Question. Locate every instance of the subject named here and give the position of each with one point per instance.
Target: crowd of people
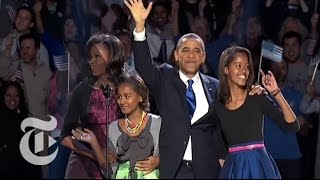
(148, 89)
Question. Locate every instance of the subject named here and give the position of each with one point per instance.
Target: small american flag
(314, 60)
(271, 51)
(18, 75)
(311, 45)
(61, 62)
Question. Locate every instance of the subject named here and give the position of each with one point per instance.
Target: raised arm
(139, 13)
(175, 17)
(269, 82)
(149, 71)
(37, 9)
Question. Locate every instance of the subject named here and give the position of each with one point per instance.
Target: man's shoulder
(210, 79)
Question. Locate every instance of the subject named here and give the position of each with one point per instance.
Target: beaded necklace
(128, 123)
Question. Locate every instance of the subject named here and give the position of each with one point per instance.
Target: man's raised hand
(139, 12)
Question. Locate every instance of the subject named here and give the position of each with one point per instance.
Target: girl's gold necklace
(136, 128)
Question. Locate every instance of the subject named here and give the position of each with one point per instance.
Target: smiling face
(23, 21)
(160, 16)
(99, 59)
(238, 70)
(235, 71)
(291, 49)
(12, 98)
(190, 55)
(128, 99)
(28, 51)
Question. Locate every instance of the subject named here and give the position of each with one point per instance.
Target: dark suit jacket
(169, 92)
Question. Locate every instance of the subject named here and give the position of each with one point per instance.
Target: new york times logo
(25, 150)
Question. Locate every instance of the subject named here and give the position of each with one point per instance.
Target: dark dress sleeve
(71, 120)
(272, 110)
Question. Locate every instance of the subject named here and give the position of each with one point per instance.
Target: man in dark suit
(188, 147)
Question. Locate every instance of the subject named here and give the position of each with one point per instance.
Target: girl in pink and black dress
(241, 117)
(90, 108)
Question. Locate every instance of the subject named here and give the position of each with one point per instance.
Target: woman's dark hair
(23, 107)
(226, 58)
(138, 86)
(116, 52)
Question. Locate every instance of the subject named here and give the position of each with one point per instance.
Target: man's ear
(176, 55)
(204, 57)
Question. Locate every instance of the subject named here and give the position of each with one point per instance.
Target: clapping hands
(84, 135)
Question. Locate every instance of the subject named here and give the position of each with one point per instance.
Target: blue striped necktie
(191, 98)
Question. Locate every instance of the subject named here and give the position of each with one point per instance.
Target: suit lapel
(181, 88)
(209, 91)
(208, 88)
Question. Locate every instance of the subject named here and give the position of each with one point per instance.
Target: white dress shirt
(202, 106)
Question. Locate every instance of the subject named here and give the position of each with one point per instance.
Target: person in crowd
(286, 155)
(7, 8)
(133, 139)
(160, 32)
(310, 106)
(33, 76)
(24, 23)
(52, 13)
(93, 104)
(125, 37)
(13, 110)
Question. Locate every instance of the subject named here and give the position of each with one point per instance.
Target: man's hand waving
(139, 12)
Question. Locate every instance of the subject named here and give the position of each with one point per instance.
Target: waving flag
(271, 51)
(314, 62)
(61, 62)
(18, 75)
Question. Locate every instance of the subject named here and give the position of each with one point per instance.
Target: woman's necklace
(136, 128)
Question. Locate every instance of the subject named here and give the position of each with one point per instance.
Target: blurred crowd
(42, 50)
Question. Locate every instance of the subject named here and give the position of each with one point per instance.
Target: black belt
(187, 163)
